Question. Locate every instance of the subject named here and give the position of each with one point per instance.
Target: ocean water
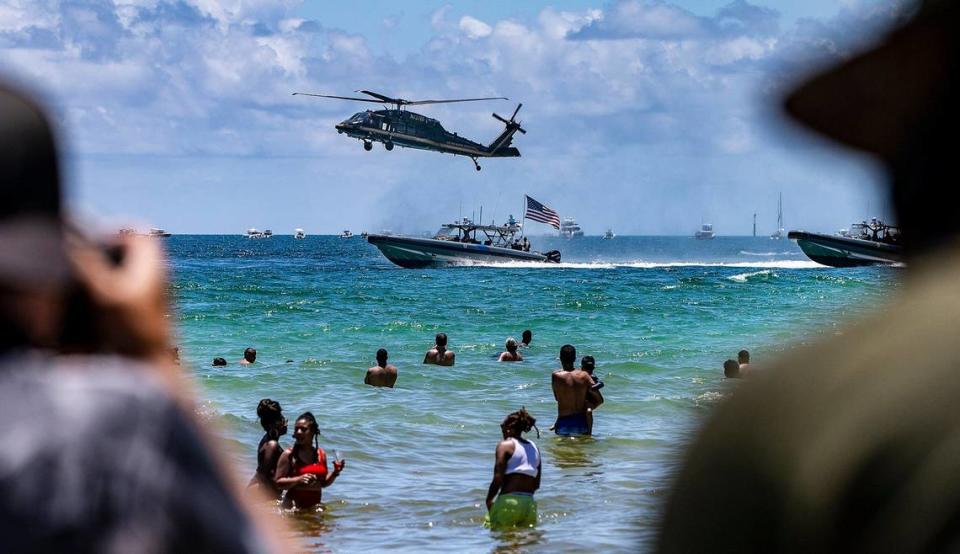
(660, 314)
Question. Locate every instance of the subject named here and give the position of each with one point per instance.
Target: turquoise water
(660, 314)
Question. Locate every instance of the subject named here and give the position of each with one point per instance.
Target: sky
(647, 117)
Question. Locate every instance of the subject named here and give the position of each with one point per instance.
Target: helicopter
(405, 128)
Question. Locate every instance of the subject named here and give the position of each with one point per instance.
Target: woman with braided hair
(302, 468)
(269, 450)
(516, 475)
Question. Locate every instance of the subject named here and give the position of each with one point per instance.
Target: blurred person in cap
(860, 451)
(100, 454)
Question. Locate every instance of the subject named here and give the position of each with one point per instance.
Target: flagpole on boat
(523, 222)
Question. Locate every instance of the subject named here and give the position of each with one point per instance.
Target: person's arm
(366, 378)
(502, 354)
(453, 358)
(426, 357)
(282, 477)
(555, 381)
(503, 453)
(332, 476)
(536, 483)
(594, 398)
(519, 356)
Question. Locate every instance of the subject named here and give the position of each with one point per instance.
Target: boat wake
(780, 264)
(764, 254)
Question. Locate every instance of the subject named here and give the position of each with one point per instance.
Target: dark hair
(743, 355)
(520, 422)
(250, 351)
(308, 417)
(587, 363)
(441, 339)
(382, 353)
(269, 412)
(526, 335)
(568, 353)
(731, 369)
(219, 362)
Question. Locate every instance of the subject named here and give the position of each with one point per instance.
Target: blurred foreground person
(98, 455)
(860, 451)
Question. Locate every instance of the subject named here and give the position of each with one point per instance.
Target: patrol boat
(867, 243)
(461, 243)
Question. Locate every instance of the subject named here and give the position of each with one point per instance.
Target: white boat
(267, 233)
(780, 233)
(609, 234)
(705, 232)
(299, 234)
(253, 233)
(570, 229)
(346, 234)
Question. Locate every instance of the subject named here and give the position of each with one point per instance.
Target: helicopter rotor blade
(502, 120)
(422, 102)
(514, 116)
(386, 99)
(337, 97)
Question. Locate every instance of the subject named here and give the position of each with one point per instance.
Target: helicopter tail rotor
(511, 123)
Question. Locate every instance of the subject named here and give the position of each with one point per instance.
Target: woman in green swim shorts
(516, 475)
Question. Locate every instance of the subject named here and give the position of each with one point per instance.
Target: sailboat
(780, 234)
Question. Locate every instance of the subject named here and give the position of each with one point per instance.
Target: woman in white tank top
(516, 475)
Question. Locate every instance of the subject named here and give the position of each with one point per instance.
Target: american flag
(538, 212)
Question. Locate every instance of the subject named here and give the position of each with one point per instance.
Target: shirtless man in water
(382, 374)
(572, 390)
(439, 355)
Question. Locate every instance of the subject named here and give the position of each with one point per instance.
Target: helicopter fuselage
(412, 130)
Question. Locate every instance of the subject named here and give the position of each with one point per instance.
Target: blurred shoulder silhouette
(99, 453)
(858, 451)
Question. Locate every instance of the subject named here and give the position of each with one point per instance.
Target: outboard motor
(553, 256)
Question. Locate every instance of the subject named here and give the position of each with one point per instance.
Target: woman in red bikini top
(302, 469)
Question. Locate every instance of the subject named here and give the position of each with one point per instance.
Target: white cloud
(474, 28)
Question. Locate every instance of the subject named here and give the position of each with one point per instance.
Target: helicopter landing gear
(475, 164)
(388, 145)
(367, 145)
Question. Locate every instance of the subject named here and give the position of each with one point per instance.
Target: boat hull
(416, 253)
(837, 251)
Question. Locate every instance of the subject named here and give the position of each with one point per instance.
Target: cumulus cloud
(474, 28)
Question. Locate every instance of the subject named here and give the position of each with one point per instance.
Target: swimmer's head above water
(306, 430)
(527, 337)
(511, 345)
(441, 340)
(731, 369)
(382, 357)
(518, 423)
(250, 354)
(271, 417)
(568, 356)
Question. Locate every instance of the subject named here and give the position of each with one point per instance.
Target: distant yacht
(364, 235)
(267, 233)
(705, 232)
(609, 234)
(255, 234)
(346, 234)
(569, 228)
(155, 232)
(780, 234)
(299, 234)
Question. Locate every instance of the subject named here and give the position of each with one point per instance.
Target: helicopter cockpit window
(358, 118)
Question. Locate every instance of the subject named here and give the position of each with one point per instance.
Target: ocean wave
(779, 264)
(744, 277)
